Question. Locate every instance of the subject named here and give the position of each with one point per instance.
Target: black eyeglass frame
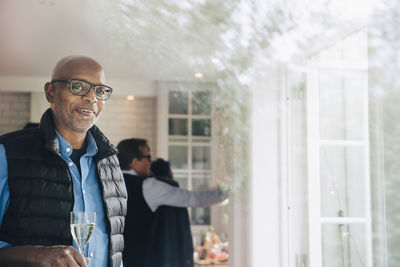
(85, 93)
(143, 157)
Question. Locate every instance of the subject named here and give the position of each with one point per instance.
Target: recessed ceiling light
(130, 97)
(198, 75)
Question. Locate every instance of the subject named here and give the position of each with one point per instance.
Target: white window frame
(164, 140)
(314, 143)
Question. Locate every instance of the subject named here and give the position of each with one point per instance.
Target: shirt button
(91, 254)
(84, 192)
(68, 149)
(70, 164)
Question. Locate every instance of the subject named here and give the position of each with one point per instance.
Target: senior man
(66, 164)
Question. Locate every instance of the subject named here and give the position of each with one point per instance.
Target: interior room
(292, 104)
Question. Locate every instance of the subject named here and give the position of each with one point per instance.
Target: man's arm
(157, 193)
(4, 191)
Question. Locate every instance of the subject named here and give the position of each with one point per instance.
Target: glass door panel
(342, 181)
(340, 104)
(343, 245)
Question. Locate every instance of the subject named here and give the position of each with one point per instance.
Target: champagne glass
(82, 228)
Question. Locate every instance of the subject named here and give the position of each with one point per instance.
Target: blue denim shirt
(86, 192)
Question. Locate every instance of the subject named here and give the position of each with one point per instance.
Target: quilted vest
(41, 189)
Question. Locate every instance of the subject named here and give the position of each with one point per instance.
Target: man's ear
(49, 91)
(133, 163)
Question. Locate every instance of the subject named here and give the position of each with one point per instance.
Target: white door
(338, 155)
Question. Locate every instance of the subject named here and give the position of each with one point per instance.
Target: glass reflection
(201, 103)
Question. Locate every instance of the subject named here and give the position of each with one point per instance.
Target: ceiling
(164, 40)
(34, 34)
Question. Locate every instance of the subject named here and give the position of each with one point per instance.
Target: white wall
(122, 119)
(14, 111)
(266, 225)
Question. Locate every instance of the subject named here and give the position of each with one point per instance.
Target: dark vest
(41, 189)
(159, 239)
(139, 220)
(171, 237)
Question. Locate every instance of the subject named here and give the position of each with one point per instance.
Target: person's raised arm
(157, 193)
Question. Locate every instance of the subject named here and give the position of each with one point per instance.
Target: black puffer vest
(41, 189)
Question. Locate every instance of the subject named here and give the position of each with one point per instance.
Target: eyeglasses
(82, 87)
(143, 157)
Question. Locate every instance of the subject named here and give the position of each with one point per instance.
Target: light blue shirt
(86, 192)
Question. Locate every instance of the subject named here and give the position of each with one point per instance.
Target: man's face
(73, 112)
(142, 165)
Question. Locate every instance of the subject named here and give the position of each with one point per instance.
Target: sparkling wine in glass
(82, 228)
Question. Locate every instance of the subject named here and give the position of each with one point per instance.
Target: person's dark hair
(161, 168)
(129, 149)
(31, 125)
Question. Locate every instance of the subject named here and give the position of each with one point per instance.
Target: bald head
(74, 65)
(74, 113)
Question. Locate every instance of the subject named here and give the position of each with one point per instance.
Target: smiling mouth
(86, 112)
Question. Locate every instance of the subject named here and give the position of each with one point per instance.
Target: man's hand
(42, 256)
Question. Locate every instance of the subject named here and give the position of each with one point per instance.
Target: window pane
(182, 179)
(342, 181)
(343, 245)
(341, 104)
(201, 158)
(178, 102)
(201, 127)
(201, 215)
(201, 102)
(177, 126)
(178, 157)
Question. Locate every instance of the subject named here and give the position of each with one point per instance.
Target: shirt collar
(66, 149)
(131, 172)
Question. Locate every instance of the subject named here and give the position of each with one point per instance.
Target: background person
(145, 196)
(161, 170)
(171, 237)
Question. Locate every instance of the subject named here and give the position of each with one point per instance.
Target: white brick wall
(122, 119)
(14, 111)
